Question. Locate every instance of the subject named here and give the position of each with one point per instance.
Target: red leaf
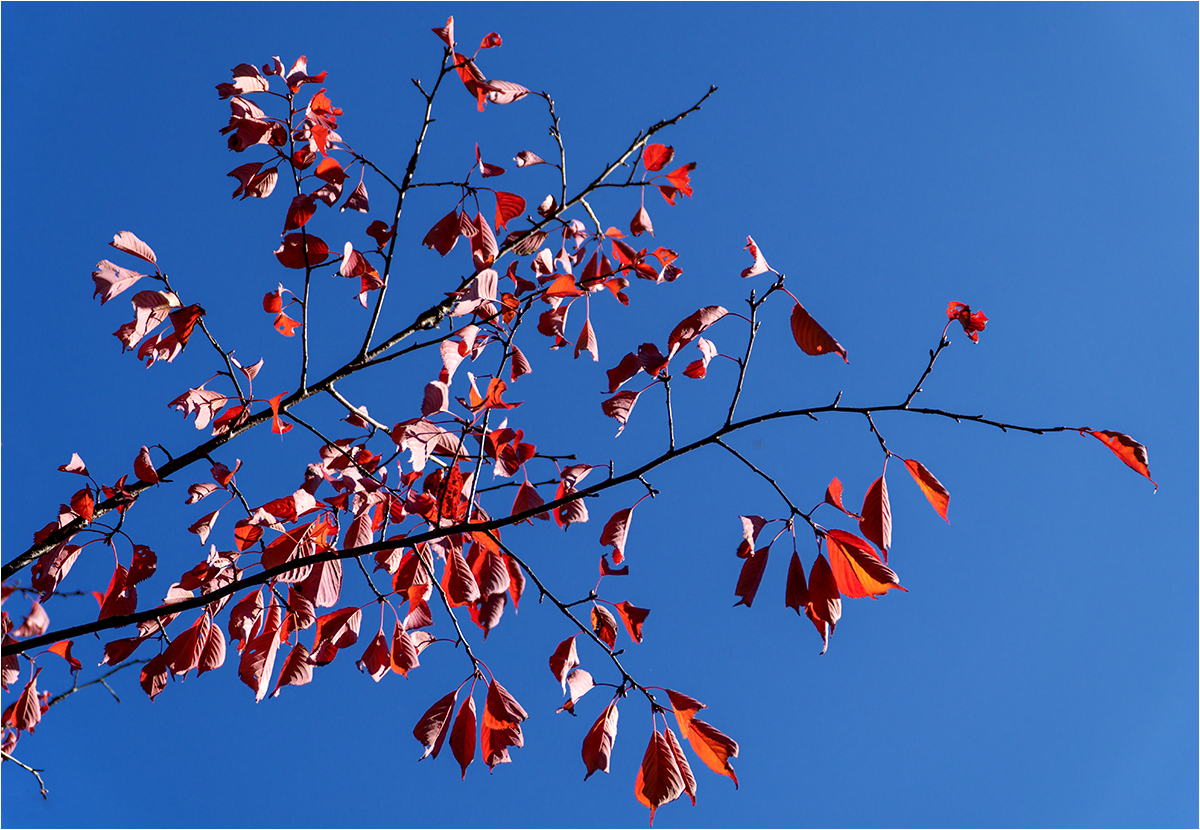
(516, 581)
(760, 265)
(508, 207)
(657, 156)
(183, 654)
(330, 171)
(685, 769)
(750, 576)
(335, 630)
(457, 580)
(121, 597)
(403, 656)
(203, 526)
(446, 33)
(659, 780)
(796, 594)
(608, 570)
(443, 236)
(681, 178)
(462, 735)
(692, 326)
(619, 406)
(615, 532)
(520, 364)
(699, 368)
(483, 244)
(563, 660)
(633, 617)
(824, 604)
(291, 254)
(623, 371)
(258, 659)
(972, 323)
(286, 326)
(604, 624)
(598, 743)
(528, 499)
(143, 467)
(587, 341)
(938, 496)
(244, 617)
(500, 709)
(431, 729)
(277, 426)
(641, 223)
(63, 649)
(833, 495)
(213, 654)
(876, 521)
(296, 670)
(358, 201)
(84, 504)
(811, 338)
(713, 747)
(856, 568)
(302, 208)
(1131, 452)
(376, 660)
(154, 676)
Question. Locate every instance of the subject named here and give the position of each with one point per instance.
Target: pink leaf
(760, 262)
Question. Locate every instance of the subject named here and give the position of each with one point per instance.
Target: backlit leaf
(431, 729)
(462, 735)
(659, 780)
(1131, 452)
(563, 660)
(713, 747)
(633, 617)
(876, 521)
(811, 337)
(598, 743)
(938, 496)
(856, 567)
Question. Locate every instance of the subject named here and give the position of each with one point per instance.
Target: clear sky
(1035, 161)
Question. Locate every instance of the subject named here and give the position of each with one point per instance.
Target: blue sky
(1035, 161)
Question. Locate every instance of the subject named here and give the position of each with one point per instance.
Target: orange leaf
(685, 709)
(811, 337)
(938, 495)
(1131, 452)
(856, 568)
(714, 748)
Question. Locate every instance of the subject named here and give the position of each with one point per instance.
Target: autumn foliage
(408, 493)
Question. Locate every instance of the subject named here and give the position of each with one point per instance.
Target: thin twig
(35, 772)
(933, 356)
